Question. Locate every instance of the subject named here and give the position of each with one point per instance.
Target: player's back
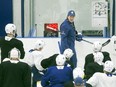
(48, 62)
(6, 46)
(103, 80)
(57, 76)
(92, 68)
(15, 74)
(90, 58)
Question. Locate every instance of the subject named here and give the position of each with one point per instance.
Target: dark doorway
(6, 15)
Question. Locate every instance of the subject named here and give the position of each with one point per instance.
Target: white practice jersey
(113, 43)
(102, 80)
(34, 58)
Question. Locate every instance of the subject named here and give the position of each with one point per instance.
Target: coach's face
(71, 18)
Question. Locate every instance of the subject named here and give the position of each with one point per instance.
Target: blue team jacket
(57, 77)
(68, 35)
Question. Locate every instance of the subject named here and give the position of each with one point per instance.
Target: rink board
(82, 48)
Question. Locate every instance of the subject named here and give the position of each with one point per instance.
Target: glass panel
(55, 11)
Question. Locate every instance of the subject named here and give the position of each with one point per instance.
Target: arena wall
(82, 48)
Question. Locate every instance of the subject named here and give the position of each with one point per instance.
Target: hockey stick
(106, 43)
(87, 41)
(59, 45)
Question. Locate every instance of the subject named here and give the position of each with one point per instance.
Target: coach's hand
(79, 37)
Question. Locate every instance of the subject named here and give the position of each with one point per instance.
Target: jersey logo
(109, 75)
(63, 33)
(72, 12)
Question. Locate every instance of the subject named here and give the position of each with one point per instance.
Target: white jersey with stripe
(102, 80)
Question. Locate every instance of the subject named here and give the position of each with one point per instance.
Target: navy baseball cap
(78, 81)
(71, 13)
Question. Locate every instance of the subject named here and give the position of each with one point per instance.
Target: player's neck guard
(60, 67)
(7, 38)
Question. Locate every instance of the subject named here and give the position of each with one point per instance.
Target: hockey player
(106, 79)
(8, 42)
(78, 72)
(34, 59)
(56, 76)
(14, 73)
(68, 35)
(97, 47)
(35, 53)
(51, 61)
(96, 66)
(78, 75)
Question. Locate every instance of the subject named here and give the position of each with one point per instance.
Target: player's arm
(1, 75)
(45, 79)
(88, 59)
(88, 85)
(27, 76)
(21, 49)
(69, 63)
(47, 62)
(93, 81)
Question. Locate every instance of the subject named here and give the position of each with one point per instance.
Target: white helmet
(10, 28)
(97, 46)
(39, 44)
(98, 57)
(60, 60)
(78, 72)
(14, 53)
(108, 66)
(68, 53)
